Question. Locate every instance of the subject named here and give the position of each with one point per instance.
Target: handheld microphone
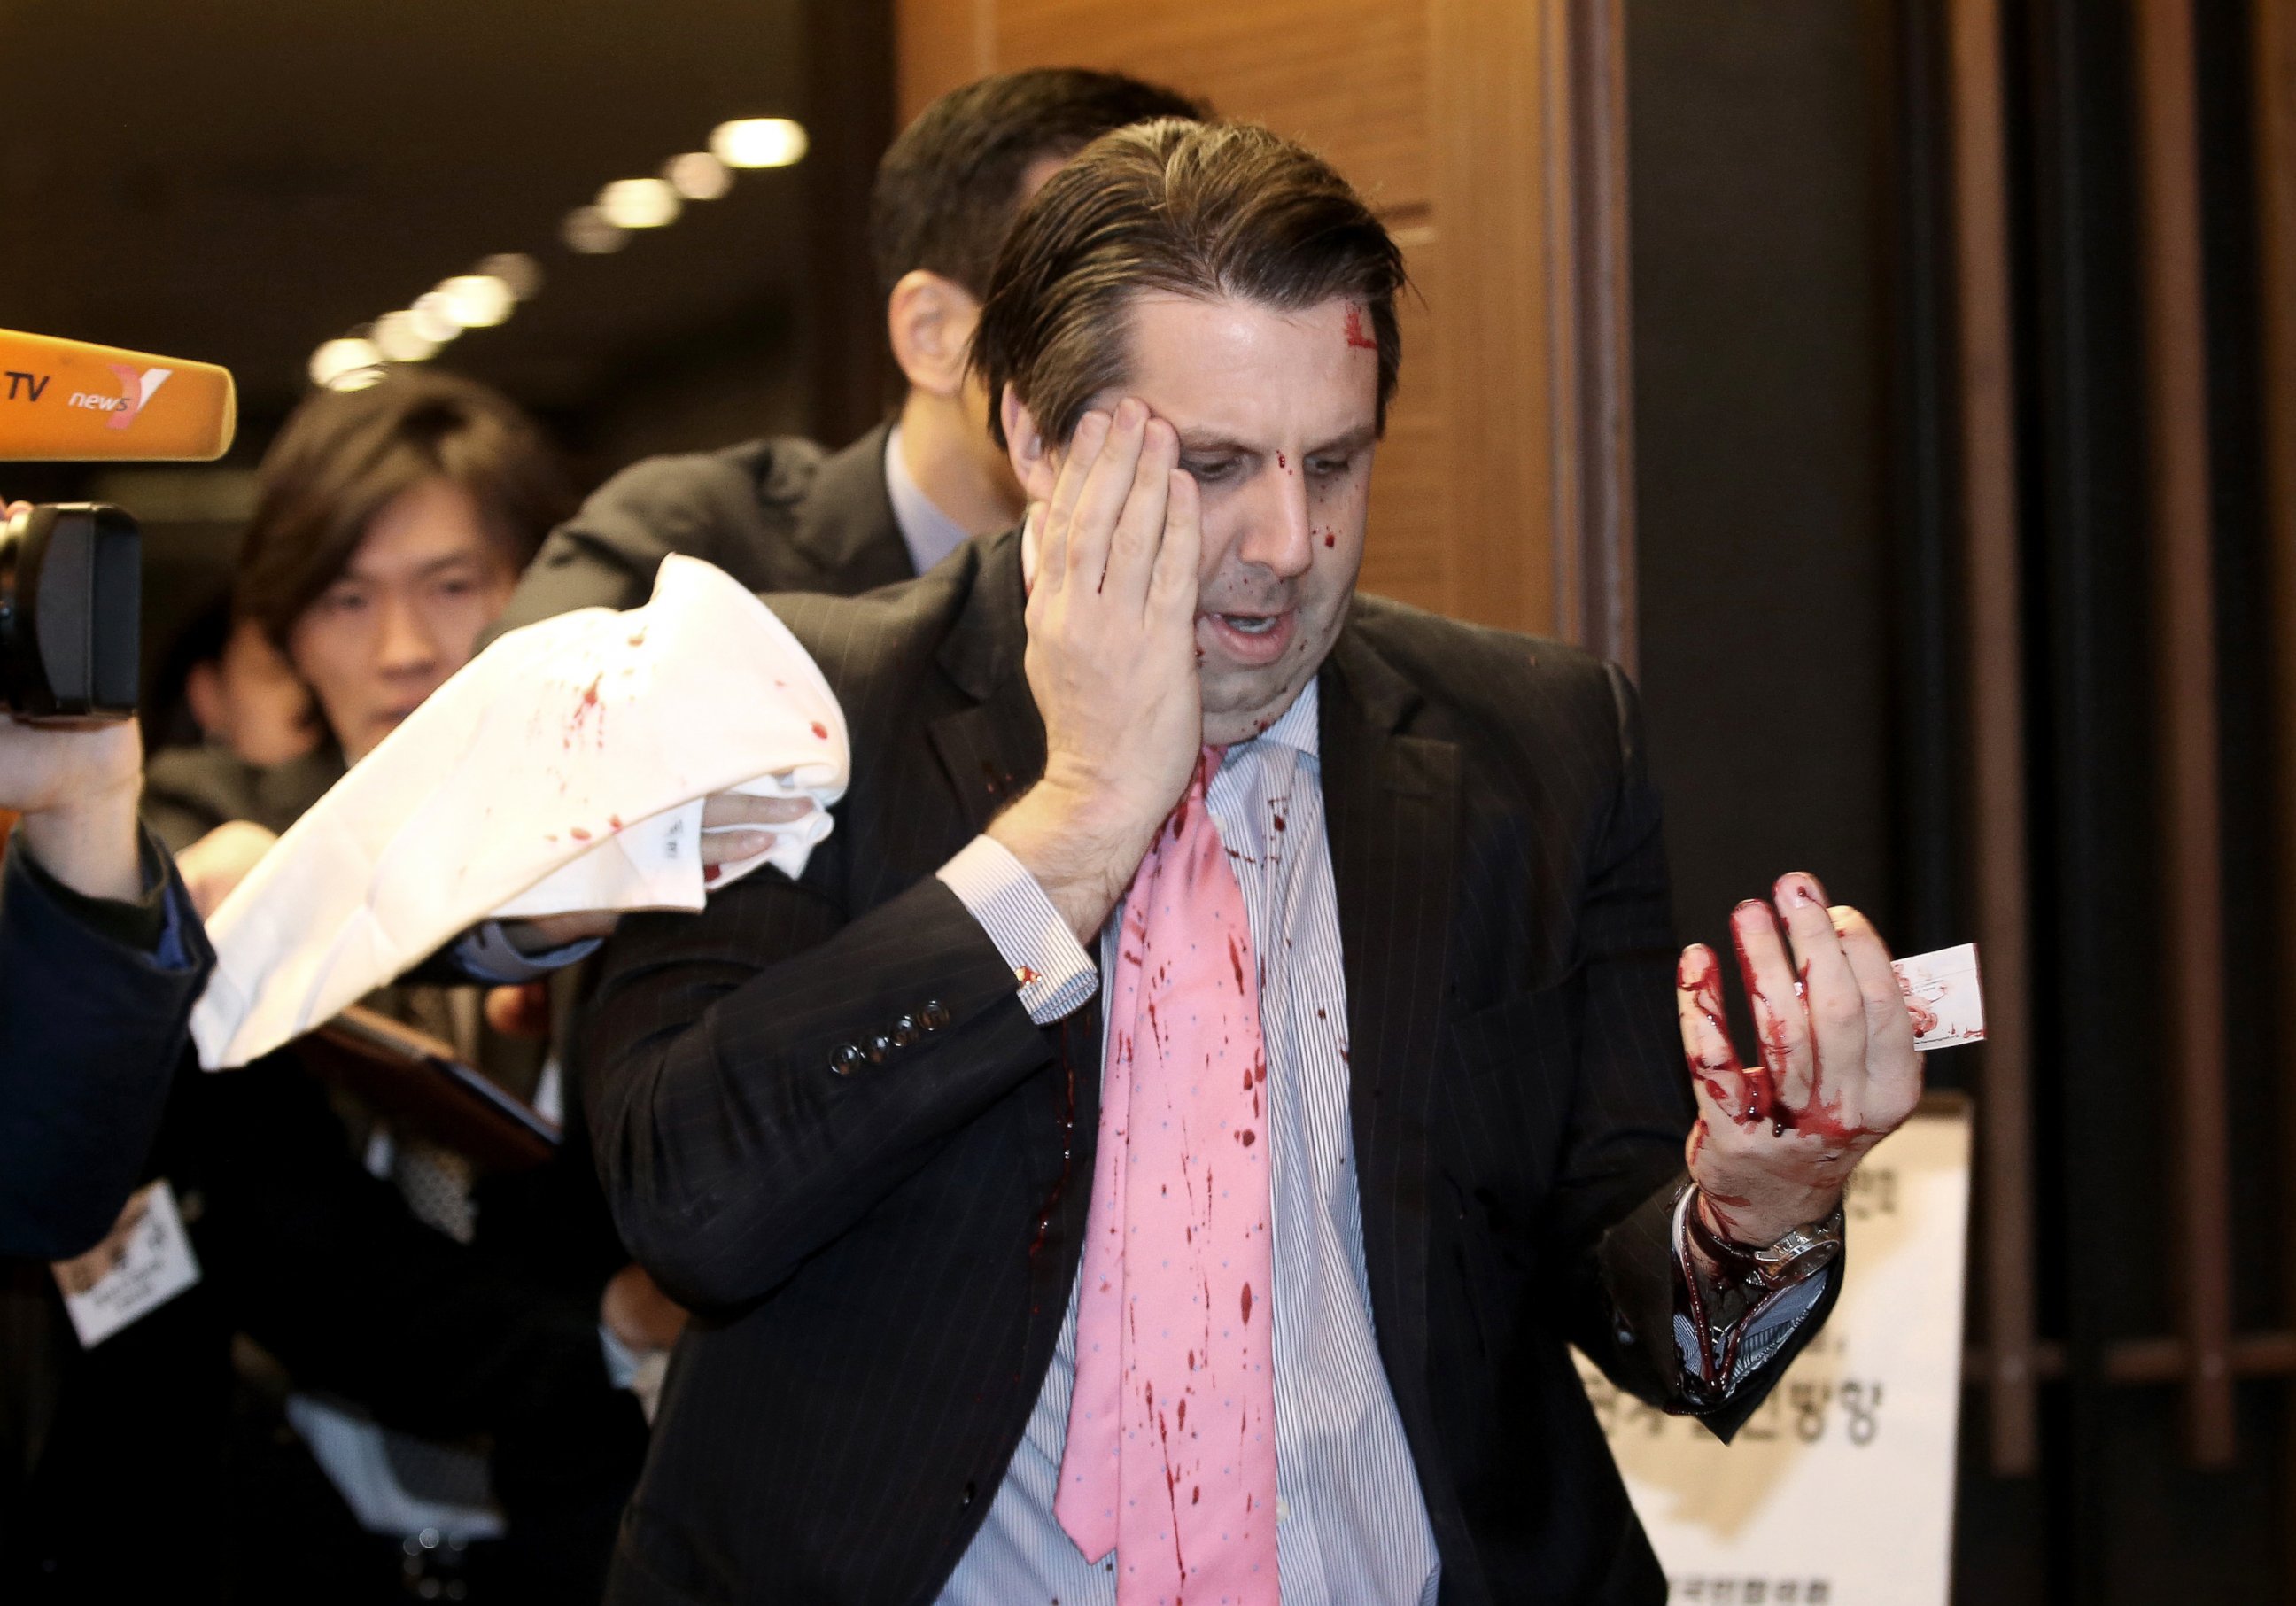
(68, 401)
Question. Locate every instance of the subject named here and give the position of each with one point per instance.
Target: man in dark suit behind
(856, 1119)
(782, 514)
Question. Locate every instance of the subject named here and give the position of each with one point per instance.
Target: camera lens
(70, 612)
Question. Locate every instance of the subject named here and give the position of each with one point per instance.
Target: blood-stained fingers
(1830, 991)
(1893, 1067)
(1781, 1023)
(1721, 1080)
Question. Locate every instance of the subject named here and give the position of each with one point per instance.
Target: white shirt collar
(930, 534)
(1297, 726)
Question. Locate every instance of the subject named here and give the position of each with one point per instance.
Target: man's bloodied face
(1277, 415)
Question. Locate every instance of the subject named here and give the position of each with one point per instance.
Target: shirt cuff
(1056, 975)
(486, 954)
(1759, 1332)
(147, 923)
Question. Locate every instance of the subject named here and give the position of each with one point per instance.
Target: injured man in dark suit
(1164, 1144)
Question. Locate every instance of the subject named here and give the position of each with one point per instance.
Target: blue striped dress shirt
(1351, 1526)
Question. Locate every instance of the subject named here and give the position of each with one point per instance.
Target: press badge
(146, 1261)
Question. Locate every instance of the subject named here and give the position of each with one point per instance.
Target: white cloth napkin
(564, 768)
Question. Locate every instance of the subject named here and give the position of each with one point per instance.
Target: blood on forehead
(1356, 338)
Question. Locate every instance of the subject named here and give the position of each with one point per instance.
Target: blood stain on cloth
(581, 722)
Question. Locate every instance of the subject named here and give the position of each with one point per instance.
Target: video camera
(71, 574)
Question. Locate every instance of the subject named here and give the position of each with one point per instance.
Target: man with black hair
(782, 514)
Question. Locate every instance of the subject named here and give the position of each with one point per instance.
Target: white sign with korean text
(1839, 1490)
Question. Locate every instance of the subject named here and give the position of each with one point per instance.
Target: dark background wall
(1793, 327)
(1760, 138)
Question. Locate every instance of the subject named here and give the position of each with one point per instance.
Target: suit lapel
(1391, 806)
(993, 749)
(845, 523)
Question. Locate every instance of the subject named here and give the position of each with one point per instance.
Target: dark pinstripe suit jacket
(882, 1258)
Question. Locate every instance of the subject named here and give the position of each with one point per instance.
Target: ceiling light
(357, 378)
(398, 337)
(433, 317)
(638, 203)
(475, 301)
(336, 358)
(586, 230)
(759, 142)
(521, 272)
(698, 176)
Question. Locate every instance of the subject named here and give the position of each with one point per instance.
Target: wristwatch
(1802, 1253)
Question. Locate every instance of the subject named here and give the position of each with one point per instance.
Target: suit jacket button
(905, 1032)
(877, 1048)
(845, 1060)
(934, 1015)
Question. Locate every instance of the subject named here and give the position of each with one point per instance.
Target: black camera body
(71, 594)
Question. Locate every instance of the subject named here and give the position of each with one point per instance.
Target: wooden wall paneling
(1985, 357)
(938, 44)
(1347, 77)
(2176, 415)
(2274, 65)
(1492, 70)
(1606, 618)
(1408, 552)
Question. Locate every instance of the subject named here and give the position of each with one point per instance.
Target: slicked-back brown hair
(343, 456)
(1191, 208)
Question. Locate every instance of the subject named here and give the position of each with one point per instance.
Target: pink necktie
(1171, 1443)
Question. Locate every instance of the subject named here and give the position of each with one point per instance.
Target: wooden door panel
(1347, 77)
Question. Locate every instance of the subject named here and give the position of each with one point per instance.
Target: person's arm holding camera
(101, 959)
